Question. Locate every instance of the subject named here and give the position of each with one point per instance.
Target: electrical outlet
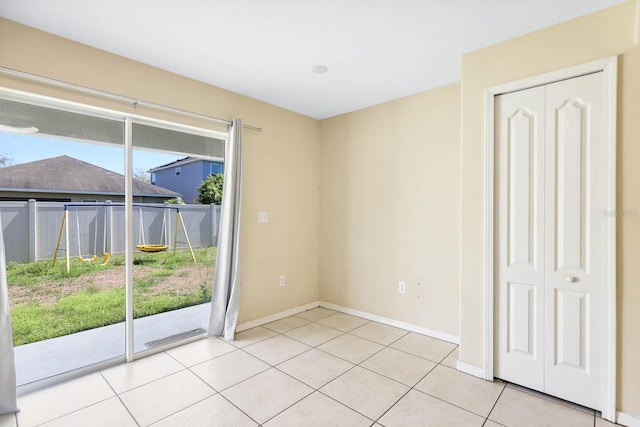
(402, 287)
(282, 280)
(263, 217)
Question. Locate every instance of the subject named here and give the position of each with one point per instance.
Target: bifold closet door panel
(573, 226)
(520, 131)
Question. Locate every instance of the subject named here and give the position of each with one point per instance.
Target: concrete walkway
(55, 356)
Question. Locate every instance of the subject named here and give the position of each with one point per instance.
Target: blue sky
(27, 148)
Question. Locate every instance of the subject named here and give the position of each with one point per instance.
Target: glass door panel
(174, 234)
(62, 177)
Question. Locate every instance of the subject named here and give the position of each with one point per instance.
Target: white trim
(489, 187)
(395, 323)
(277, 316)
(104, 113)
(627, 420)
(471, 370)
(636, 35)
(128, 244)
(609, 68)
(460, 204)
(609, 344)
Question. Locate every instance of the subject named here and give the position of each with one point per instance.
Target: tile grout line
(248, 345)
(72, 412)
(149, 382)
(290, 406)
(184, 368)
(235, 406)
(187, 368)
(364, 338)
(384, 346)
(323, 385)
(271, 366)
(345, 405)
(495, 404)
(384, 376)
(120, 400)
(182, 409)
(407, 392)
(285, 360)
(214, 358)
(313, 389)
(436, 397)
(457, 406)
(249, 377)
(314, 347)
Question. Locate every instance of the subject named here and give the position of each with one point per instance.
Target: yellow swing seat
(93, 258)
(152, 248)
(105, 258)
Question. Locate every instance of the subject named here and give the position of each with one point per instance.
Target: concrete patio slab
(45, 359)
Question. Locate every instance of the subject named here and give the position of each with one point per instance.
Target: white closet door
(549, 239)
(574, 224)
(520, 129)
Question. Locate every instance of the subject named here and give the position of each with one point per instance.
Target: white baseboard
(627, 420)
(471, 370)
(277, 316)
(374, 317)
(391, 322)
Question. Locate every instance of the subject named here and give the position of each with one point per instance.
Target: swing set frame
(64, 227)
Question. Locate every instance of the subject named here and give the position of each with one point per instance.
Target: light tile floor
(318, 368)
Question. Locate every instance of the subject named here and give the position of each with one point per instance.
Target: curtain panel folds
(8, 401)
(225, 303)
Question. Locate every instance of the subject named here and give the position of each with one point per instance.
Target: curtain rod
(135, 102)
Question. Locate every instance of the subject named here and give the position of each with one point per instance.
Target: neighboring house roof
(184, 161)
(65, 174)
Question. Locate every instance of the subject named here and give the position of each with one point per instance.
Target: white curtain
(225, 303)
(8, 402)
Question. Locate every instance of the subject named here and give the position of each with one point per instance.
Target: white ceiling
(376, 50)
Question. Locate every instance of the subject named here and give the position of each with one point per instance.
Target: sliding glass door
(110, 246)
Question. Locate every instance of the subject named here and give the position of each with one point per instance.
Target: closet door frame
(608, 66)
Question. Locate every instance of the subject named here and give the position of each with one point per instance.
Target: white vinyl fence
(31, 228)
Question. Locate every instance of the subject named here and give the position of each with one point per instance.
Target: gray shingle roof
(64, 173)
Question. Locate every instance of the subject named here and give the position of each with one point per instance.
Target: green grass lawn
(54, 303)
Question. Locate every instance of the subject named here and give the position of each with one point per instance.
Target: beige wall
(390, 209)
(281, 167)
(599, 35)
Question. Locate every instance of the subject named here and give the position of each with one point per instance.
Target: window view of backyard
(47, 302)
(63, 212)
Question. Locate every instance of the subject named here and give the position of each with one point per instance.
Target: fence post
(214, 225)
(108, 220)
(33, 232)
